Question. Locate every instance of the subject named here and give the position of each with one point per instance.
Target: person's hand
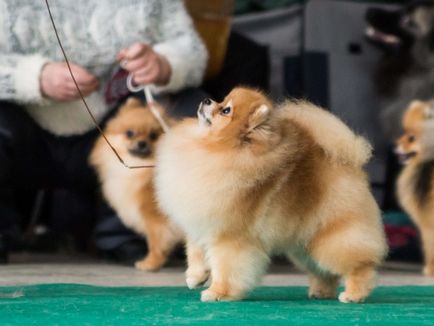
(57, 84)
(146, 65)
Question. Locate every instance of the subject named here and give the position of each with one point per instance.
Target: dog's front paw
(195, 280)
(209, 296)
(346, 297)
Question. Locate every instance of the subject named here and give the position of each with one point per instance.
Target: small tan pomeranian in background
(248, 180)
(134, 134)
(416, 181)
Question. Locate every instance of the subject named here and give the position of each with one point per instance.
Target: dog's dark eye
(226, 111)
(129, 133)
(153, 135)
(411, 138)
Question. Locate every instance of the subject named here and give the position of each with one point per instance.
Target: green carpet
(68, 304)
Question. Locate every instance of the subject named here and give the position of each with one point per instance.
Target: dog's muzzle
(204, 113)
(141, 149)
(403, 156)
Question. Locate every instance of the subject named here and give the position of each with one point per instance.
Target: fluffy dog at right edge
(248, 180)
(415, 183)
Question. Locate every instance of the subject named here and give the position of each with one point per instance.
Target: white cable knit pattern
(92, 32)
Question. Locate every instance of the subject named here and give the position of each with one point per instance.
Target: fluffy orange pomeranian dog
(416, 181)
(248, 180)
(134, 134)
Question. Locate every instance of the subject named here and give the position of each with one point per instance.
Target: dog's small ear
(428, 112)
(426, 108)
(260, 116)
(416, 105)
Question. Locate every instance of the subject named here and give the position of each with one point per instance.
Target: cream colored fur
(417, 141)
(339, 142)
(293, 185)
(130, 192)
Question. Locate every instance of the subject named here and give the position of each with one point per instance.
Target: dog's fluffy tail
(337, 140)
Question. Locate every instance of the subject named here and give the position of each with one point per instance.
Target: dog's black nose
(207, 101)
(142, 145)
(141, 149)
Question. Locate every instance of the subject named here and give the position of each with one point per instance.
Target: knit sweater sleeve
(182, 46)
(19, 77)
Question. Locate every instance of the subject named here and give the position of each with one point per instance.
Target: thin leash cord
(154, 110)
(95, 122)
(149, 99)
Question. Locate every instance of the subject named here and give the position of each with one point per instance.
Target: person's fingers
(66, 96)
(141, 70)
(121, 55)
(85, 89)
(57, 83)
(155, 71)
(88, 83)
(144, 64)
(82, 76)
(84, 92)
(150, 77)
(145, 70)
(133, 65)
(136, 50)
(92, 86)
(70, 90)
(72, 96)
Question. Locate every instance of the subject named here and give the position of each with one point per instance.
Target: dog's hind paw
(150, 264)
(212, 296)
(322, 294)
(195, 280)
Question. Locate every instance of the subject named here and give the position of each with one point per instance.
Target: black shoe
(4, 252)
(42, 239)
(127, 253)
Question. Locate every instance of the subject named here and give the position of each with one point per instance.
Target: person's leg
(31, 158)
(25, 158)
(110, 236)
(114, 240)
(24, 163)
(9, 223)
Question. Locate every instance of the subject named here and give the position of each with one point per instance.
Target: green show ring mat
(72, 304)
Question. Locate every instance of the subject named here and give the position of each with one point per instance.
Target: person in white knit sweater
(45, 132)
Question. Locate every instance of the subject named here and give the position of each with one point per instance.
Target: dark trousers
(32, 158)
